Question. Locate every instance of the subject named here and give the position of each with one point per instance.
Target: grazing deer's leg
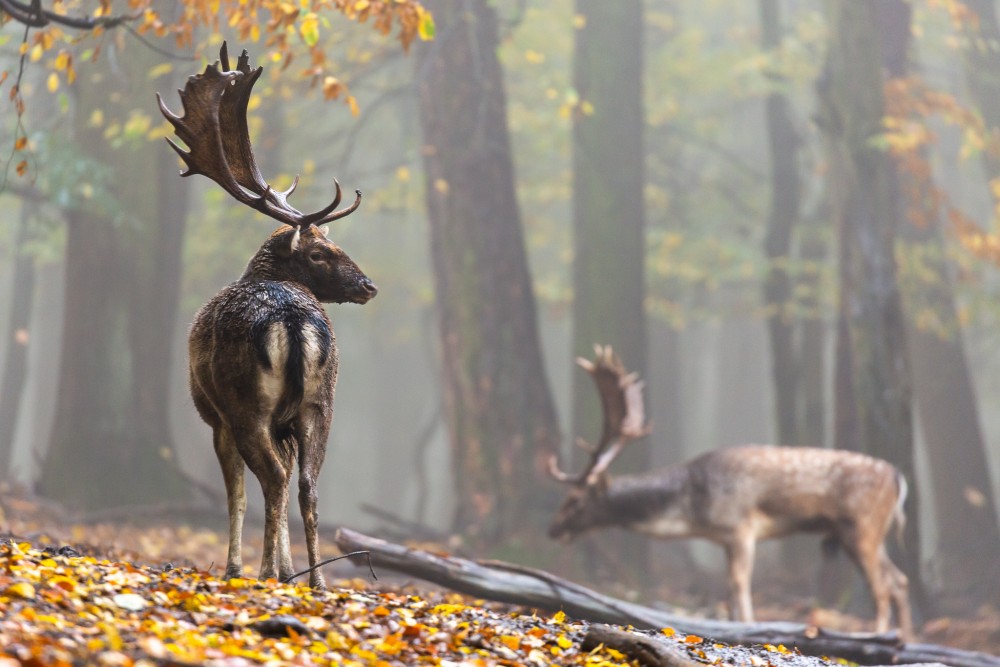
(740, 554)
(232, 472)
(869, 555)
(899, 587)
(272, 465)
(313, 449)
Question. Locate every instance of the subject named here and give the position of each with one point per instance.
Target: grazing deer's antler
(214, 127)
(624, 415)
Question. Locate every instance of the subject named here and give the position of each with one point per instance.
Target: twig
(367, 554)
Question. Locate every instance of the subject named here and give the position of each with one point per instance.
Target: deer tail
(899, 514)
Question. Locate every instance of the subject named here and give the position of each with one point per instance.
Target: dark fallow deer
(263, 357)
(737, 496)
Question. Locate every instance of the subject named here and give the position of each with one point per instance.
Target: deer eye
(316, 256)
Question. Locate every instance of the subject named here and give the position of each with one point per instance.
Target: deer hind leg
(899, 587)
(232, 473)
(312, 452)
(740, 554)
(870, 558)
(272, 464)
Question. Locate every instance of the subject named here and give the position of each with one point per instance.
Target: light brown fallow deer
(263, 357)
(737, 496)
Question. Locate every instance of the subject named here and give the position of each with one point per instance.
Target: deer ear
(295, 239)
(324, 230)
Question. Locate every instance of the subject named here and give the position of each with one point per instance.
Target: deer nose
(368, 287)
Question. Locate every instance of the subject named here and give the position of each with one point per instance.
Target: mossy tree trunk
(16, 341)
(110, 442)
(608, 212)
(781, 224)
(968, 532)
(500, 414)
(873, 347)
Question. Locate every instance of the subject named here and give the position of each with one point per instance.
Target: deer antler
(214, 128)
(624, 415)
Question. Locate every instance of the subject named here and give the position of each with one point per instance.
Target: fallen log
(514, 584)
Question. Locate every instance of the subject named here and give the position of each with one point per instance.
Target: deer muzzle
(363, 291)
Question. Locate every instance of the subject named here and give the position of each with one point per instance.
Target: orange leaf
(21, 143)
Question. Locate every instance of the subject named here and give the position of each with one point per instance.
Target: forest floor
(124, 593)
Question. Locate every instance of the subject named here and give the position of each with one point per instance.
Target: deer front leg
(740, 554)
(232, 473)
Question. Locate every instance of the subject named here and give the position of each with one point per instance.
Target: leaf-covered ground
(64, 608)
(117, 594)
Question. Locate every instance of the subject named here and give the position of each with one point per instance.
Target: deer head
(214, 129)
(624, 421)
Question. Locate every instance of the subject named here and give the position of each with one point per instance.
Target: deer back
(264, 342)
(772, 491)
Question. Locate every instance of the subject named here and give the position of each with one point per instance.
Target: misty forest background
(784, 215)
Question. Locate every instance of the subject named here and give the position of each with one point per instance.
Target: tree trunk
(609, 211)
(110, 439)
(866, 207)
(501, 417)
(968, 532)
(15, 369)
(785, 196)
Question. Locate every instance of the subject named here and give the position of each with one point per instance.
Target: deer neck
(654, 503)
(266, 265)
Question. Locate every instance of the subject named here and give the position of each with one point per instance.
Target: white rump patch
(272, 382)
(312, 352)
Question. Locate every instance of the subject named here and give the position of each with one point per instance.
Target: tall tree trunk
(785, 197)
(15, 369)
(110, 439)
(608, 209)
(968, 532)
(501, 417)
(864, 36)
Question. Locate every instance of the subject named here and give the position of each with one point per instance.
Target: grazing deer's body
(263, 356)
(737, 496)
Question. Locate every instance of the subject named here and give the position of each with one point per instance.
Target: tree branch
(34, 16)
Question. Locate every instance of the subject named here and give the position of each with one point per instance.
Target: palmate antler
(624, 414)
(214, 128)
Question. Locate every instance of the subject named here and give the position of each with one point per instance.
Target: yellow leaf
(361, 5)
(53, 82)
(36, 53)
(160, 70)
(62, 61)
(560, 617)
(21, 589)
(309, 29)
(353, 104)
(513, 642)
(425, 28)
(668, 632)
